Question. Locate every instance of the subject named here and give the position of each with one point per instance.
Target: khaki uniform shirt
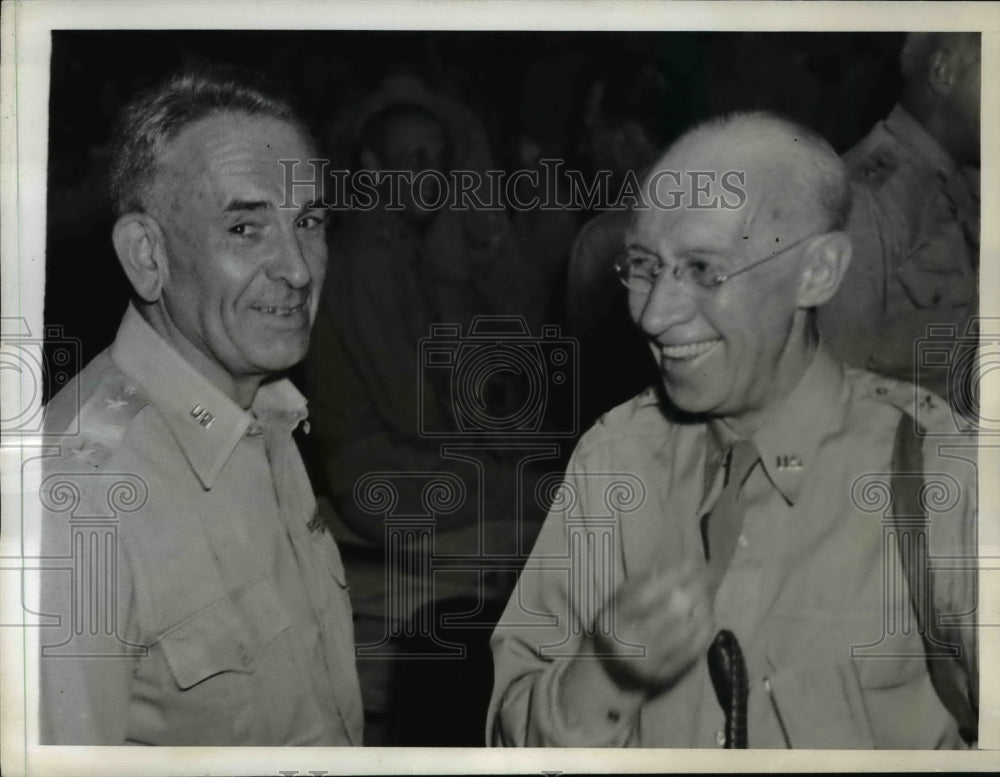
(914, 226)
(811, 592)
(204, 604)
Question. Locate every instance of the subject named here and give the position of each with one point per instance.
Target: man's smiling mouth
(688, 350)
(280, 310)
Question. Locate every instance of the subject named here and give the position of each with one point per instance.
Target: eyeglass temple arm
(723, 277)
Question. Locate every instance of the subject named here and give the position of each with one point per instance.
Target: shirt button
(720, 738)
(743, 541)
(245, 658)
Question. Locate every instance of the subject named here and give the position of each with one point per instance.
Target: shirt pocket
(932, 277)
(904, 709)
(229, 635)
(821, 706)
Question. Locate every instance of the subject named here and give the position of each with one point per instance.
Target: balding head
(787, 165)
(732, 284)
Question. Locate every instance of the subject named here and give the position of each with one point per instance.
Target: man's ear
(827, 259)
(941, 72)
(139, 244)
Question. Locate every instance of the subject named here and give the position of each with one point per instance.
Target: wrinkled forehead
(722, 193)
(232, 147)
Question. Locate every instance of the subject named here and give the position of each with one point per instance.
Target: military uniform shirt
(829, 664)
(914, 226)
(226, 619)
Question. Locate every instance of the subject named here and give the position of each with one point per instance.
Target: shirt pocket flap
(226, 636)
(821, 706)
(900, 669)
(325, 547)
(932, 279)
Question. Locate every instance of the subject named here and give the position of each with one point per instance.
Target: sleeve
(538, 636)
(850, 322)
(950, 497)
(955, 542)
(87, 662)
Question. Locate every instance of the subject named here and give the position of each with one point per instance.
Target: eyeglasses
(639, 273)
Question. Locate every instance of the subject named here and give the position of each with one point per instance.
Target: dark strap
(728, 671)
(942, 646)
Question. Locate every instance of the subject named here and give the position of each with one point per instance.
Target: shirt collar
(919, 144)
(205, 422)
(788, 445)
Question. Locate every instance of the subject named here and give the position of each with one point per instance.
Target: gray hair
(819, 176)
(147, 124)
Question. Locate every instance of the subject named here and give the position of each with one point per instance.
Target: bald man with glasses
(721, 564)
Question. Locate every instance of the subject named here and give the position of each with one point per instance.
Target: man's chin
(280, 359)
(690, 398)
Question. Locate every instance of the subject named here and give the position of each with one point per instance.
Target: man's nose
(289, 264)
(668, 303)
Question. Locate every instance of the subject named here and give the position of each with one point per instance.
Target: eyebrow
(702, 252)
(640, 248)
(250, 206)
(684, 251)
(236, 206)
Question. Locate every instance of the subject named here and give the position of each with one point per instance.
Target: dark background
(523, 84)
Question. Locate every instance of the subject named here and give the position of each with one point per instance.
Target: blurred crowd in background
(448, 100)
(529, 91)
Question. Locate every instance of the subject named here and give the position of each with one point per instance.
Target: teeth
(688, 350)
(278, 310)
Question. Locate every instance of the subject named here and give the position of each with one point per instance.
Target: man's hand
(666, 612)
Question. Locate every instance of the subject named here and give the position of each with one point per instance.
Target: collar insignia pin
(789, 463)
(202, 416)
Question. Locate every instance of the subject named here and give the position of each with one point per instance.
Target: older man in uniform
(733, 583)
(227, 620)
(915, 222)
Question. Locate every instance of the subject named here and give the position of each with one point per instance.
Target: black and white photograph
(545, 386)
